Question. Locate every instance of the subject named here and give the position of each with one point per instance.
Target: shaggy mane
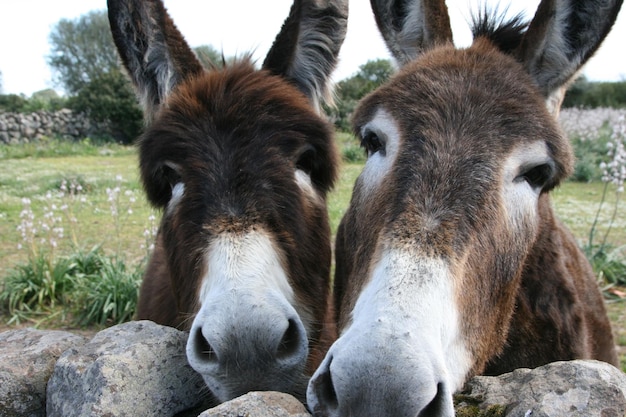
(505, 33)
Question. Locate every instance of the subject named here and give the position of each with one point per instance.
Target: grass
(34, 177)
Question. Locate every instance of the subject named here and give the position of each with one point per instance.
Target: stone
(132, 369)
(27, 359)
(265, 404)
(24, 127)
(580, 388)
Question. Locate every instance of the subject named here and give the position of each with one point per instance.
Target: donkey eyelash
(372, 143)
(537, 176)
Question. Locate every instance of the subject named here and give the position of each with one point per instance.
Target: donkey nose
(286, 347)
(263, 350)
(347, 385)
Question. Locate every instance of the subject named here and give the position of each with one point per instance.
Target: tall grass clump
(610, 262)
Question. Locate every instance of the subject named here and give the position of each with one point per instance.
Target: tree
(349, 91)
(109, 98)
(85, 63)
(587, 94)
(81, 50)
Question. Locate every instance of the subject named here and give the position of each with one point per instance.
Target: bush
(108, 295)
(109, 98)
(97, 289)
(36, 286)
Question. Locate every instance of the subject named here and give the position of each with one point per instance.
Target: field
(78, 199)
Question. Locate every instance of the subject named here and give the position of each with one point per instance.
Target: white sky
(239, 26)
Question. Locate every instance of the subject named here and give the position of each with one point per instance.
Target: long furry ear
(306, 49)
(410, 27)
(152, 49)
(562, 36)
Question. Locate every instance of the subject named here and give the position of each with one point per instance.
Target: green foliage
(109, 97)
(349, 91)
(609, 264)
(589, 154)
(97, 288)
(85, 63)
(82, 50)
(109, 294)
(469, 406)
(13, 103)
(36, 286)
(54, 147)
(47, 100)
(584, 93)
(351, 150)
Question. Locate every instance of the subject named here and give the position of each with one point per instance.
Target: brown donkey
(450, 261)
(240, 162)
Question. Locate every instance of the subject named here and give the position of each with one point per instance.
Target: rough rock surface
(27, 127)
(140, 369)
(266, 404)
(136, 368)
(560, 389)
(27, 358)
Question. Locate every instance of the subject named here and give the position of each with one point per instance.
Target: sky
(240, 26)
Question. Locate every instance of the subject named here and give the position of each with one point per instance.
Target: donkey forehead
(477, 94)
(235, 115)
(241, 96)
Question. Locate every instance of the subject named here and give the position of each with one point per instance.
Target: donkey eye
(373, 143)
(306, 160)
(170, 172)
(537, 176)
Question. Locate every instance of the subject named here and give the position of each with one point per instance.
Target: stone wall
(140, 369)
(26, 127)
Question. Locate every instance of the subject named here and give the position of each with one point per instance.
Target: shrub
(36, 286)
(109, 98)
(108, 295)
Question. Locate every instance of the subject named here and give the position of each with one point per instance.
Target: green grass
(34, 177)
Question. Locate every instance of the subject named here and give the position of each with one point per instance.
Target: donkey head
(240, 162)
(461, 154)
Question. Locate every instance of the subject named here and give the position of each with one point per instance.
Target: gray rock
(560, 389)
(27, 127)
(133, 369)
(265, 404)
(27, 358)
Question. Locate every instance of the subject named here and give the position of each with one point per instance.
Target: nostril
(438, 404)
(290, 343)
(203, 348)
(324, 389)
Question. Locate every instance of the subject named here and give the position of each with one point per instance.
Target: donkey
(240, 161)
(449, 260)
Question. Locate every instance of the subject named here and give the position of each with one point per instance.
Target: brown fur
(238, 152)
(440, 98)
(241, 110)
(449, 259)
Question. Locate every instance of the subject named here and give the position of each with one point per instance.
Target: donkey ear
(562, 36)
(306, 49)
(152, 49)
(410, 27)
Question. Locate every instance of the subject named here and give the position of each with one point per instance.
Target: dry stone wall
(27, 127)
(140, 369)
